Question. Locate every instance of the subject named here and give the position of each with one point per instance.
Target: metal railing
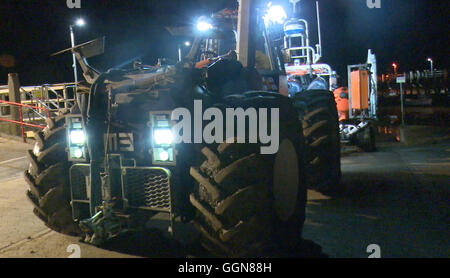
(21, 122)
(50, 96)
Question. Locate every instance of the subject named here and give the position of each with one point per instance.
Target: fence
(36, 102)
(21, 122)
(428, 83)
(50, 96)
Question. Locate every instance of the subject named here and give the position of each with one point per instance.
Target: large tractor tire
(48, 177)
(318, 113)
(249, 204)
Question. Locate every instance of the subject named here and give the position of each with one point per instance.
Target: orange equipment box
(360, 89)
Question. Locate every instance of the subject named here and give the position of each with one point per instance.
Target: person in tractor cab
(341, 97)
(318, 84)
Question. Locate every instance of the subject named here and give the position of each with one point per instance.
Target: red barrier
(21, 123)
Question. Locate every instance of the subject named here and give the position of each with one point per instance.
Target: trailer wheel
(48, 178)
(248, 204)
(367, 139)
(318, 113)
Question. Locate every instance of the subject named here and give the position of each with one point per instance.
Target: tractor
(114, 161)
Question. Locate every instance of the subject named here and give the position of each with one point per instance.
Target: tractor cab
(280, 47)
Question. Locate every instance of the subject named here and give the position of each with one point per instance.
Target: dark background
(402, 31)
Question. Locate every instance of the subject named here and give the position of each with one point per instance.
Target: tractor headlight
(78, 153)
(163, 155)
(163, 140)
(77, 137)
(163, 136)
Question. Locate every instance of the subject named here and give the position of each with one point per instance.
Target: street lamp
(80, 23)
(431, 62)
(395, 66)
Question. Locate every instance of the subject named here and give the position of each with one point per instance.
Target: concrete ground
(22, 234)
(397, 198)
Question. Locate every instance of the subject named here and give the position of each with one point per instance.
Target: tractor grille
(78, 175)
(147, 187)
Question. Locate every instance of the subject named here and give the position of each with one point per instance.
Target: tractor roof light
(276, 14)
(204, 24)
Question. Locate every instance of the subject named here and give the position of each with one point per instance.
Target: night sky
(402, 31)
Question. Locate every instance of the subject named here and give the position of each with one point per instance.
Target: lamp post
(431, 64)
(80, 23)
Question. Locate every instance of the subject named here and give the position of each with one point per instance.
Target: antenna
(319, 50)
(294, 3)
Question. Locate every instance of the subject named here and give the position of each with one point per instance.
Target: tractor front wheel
(48, 178)
(249, 204)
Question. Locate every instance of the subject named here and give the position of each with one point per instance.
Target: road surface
(396, 198)
(22, 234)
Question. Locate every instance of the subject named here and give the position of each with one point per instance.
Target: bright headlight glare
(80, 22)
(78, 153)
(203, 25)
(163, 136)
(77, 137)
(277, 14)
(164, 156)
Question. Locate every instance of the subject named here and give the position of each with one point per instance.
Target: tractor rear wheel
(249, 204)
(318, 113)
(48, 178)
